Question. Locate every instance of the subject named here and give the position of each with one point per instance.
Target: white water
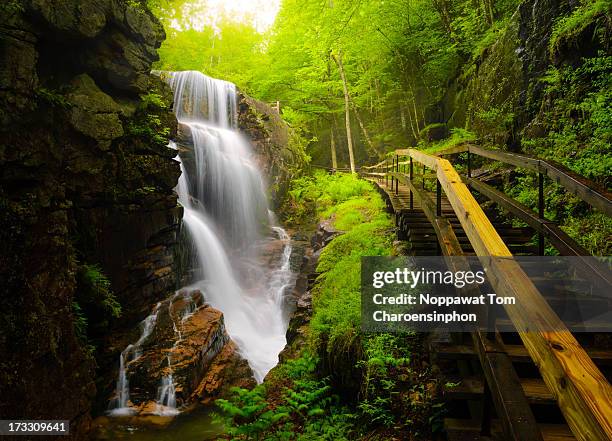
(119, 406)
(166, 394)
(223, 196)
(225, 212)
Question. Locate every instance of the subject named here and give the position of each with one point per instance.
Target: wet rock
(189, 343)
(326, 232)
(94, 113)
(79, 186)
(228, 369)
(279, 155)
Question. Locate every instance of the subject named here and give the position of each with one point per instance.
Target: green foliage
(147, 122)
(305, 411)
(96, 304)
(246, 414)
(318, 194)
(398, 64)
(53, 98)
(568, 28)
(80, 328)
(11, 7)
(578, 134)
(457, 137)
(153, 100)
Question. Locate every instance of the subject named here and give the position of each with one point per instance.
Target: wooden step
(517, 353)
(472, 388)
(464, 429)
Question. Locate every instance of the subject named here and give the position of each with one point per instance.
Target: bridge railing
(581, 390)
(585, 189)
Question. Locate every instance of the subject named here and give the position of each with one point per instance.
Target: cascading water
(119, 405)
(223, 195)
(225, 213)
(166, 396)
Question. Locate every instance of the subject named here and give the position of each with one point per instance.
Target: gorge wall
(86, 194)
(89, 221)
(513, 89)
(280, 152)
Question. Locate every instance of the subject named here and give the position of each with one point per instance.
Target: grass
(344, 384)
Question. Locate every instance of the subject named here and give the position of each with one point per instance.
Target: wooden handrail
(558, 238)
(581, 390)
(587, 190)
(509, 400)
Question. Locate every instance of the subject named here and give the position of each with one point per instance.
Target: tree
(347, 111)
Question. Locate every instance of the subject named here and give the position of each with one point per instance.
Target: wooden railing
(581, 390)
(585, 189)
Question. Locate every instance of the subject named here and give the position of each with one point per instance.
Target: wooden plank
(453, 150)
(550, 432)
(559, 238)
(508, 397)
(583, 393)
(473, 388)
(507, 157)
(517, 353)
(594, 195)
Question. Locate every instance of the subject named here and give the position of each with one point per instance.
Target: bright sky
(259, 12)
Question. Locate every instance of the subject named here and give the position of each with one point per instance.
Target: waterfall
(225, 213)
(166, 395)
(119, 406)
(228, 222)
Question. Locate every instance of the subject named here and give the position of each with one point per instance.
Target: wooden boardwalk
(511, 385)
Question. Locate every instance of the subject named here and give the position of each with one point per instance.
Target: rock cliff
(86, 194)
(280, 153)
(503, 94)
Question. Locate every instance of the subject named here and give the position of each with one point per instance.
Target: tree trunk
(364, 130)
(332, 144)
(347, 104)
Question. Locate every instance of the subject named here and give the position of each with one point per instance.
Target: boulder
(190, 345)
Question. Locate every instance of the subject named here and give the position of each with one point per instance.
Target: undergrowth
(344, 384)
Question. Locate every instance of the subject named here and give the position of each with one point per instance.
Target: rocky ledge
(189, 348)
(280, 153)
(86, 195)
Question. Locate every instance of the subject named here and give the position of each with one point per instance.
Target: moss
(569, 28)
(457, 137)
(149, 122)
(344, 383)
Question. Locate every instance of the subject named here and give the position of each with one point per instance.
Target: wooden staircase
(495, 388)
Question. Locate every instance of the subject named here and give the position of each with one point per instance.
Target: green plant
(97, 304)
(568, 28)
(54, 98)
(306, 410)
(153, 100)
(246, 414)
(10, 7)
(80, 328)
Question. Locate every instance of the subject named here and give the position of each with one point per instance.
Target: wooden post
(469, 164)
(397, 170)
(487, 404)
(583, 393)
(411, 175)
(386, 165)
(423, 178)
(541, 211)
(438, 199)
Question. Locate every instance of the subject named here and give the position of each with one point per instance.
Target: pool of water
(196, 425)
